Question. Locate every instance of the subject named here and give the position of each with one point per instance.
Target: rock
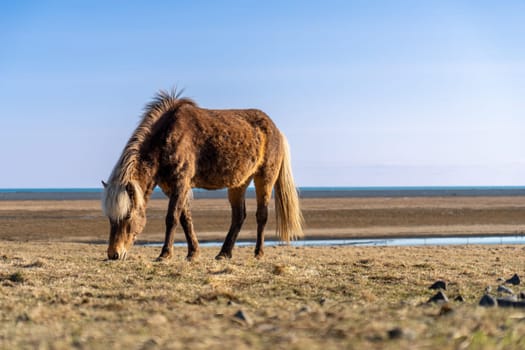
(439, 285)
(304, 310)
(514, 280)
(17, 277)
(242, 317)
(487, 301)
(23, 318)
(504, 302)
(509, 298)
(459, 298)
(511, 302)
(519, 304)
(439, 297)
(505, 290)
(395, 333)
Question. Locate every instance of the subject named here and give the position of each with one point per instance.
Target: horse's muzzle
(117, 255)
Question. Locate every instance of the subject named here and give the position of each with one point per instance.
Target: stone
(439, 297)
(505, 290)
(514, 280)
(487, 300)
(395, 333)
(510, 302)
(304, 310)
(459, 298)
(243, 317)
(509, 298)
(439, 285)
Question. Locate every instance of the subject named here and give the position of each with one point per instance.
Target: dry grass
(55, 294)
(64, 295)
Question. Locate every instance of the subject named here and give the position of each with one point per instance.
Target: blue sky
(369, 93)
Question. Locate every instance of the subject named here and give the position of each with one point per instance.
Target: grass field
(66, 295)
(57, 291)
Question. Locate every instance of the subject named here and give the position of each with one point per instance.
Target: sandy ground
(83, 221)
(57, 290)
(56, 295)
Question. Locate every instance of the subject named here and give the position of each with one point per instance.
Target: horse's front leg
(175, 207)
(191, 238)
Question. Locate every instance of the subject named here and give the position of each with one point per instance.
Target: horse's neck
(144, 176)
(143, 166)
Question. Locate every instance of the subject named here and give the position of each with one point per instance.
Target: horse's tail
(288, 213)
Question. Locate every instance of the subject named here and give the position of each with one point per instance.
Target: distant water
(305, 192)
(378, 242)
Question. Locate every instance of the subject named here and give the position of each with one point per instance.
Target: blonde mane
(116, 201)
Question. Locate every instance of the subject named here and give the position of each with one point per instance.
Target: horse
(179, 146)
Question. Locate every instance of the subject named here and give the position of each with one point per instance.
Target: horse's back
(222, 148)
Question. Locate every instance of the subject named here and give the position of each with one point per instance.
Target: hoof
(192, 256)
(163, 257)
(223, 256)
(259, 254)
(165, 254)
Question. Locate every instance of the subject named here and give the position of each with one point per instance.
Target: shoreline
(326, 218)
(304, 192)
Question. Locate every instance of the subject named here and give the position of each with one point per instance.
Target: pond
(379, 242)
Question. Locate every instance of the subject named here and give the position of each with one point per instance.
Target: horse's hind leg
(238, 205)
(187, 225)
(263, 190)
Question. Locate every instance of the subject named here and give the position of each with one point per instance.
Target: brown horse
(179, 146)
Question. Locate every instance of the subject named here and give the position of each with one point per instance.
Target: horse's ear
(104, 184)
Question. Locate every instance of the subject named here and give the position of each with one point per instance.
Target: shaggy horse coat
(179, 146)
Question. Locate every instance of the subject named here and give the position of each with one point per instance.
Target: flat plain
(57, 290)
(83, 221)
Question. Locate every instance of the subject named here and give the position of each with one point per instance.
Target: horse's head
(125, 208)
